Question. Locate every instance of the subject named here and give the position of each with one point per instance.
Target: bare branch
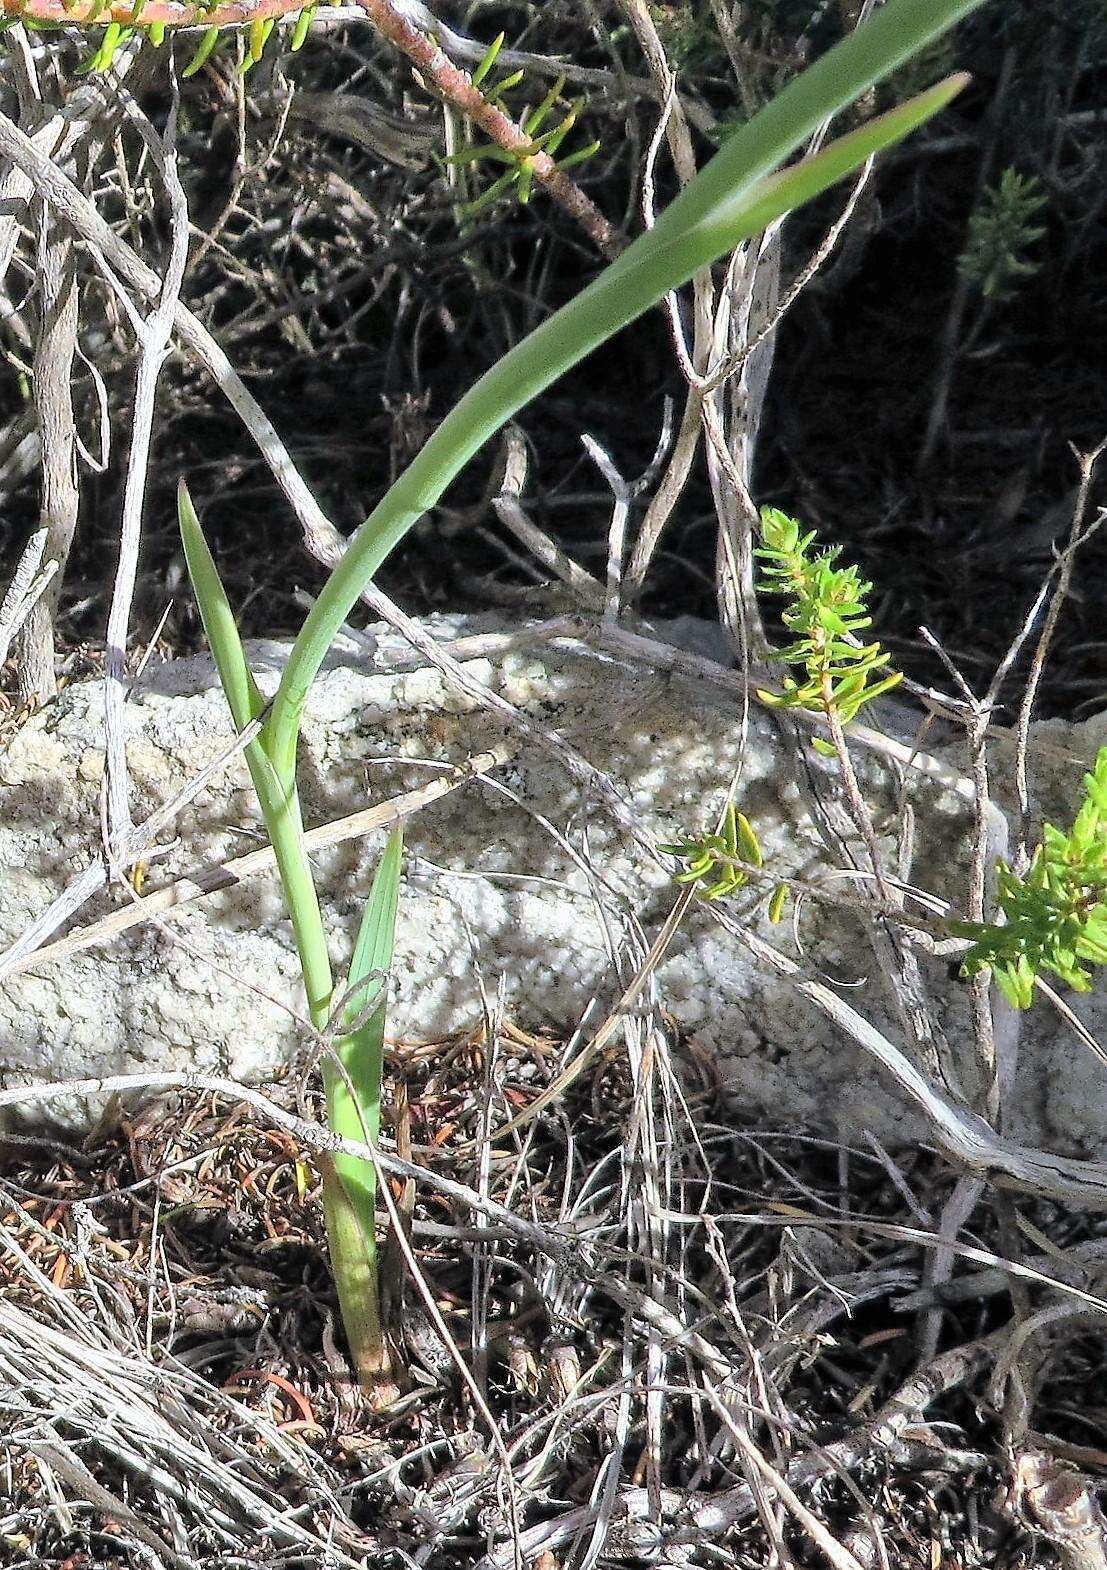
(55, 350)
(26, 586)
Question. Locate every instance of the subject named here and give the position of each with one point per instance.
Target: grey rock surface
(523, 876)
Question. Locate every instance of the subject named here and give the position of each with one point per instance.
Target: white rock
(488, 885)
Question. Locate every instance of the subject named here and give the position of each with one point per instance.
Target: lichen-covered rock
(523, 875)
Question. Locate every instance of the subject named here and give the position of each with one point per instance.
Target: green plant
(714, 860)
(352, 1066)
(1000, 231)
(723, 862)
(743, 188)
(519, 174)
(1055, 915)
(826, 610)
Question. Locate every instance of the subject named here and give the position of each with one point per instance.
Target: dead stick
(225, 874)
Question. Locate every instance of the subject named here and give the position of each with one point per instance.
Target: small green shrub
(1055, 916)
(1001, 230)
(826, 610)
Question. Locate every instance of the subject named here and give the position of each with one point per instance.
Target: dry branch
(55, 350)
(226, 874)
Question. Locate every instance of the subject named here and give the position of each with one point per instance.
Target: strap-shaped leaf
(246, 702)
(355, 1095)
(372, 955)
(744, 188)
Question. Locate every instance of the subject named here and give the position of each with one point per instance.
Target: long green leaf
(361, 1050)
(740, 191)
(276, 794)
(373, 950)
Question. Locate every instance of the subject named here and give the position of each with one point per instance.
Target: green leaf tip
(243, 697)
(373, 950)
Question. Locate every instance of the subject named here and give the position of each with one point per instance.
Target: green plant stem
(353, 1106)
(353, 1109)
(281, 811)
(348, 1201)
(352, 1244)
(348, 1195)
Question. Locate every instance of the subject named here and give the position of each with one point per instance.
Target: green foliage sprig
(258, 35)
(1000, 231)
(826, 610)
(715, 860)
(520, 171)
(711, 857)
(1055, 916)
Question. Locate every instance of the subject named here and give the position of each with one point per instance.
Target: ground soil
(206, 1254)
